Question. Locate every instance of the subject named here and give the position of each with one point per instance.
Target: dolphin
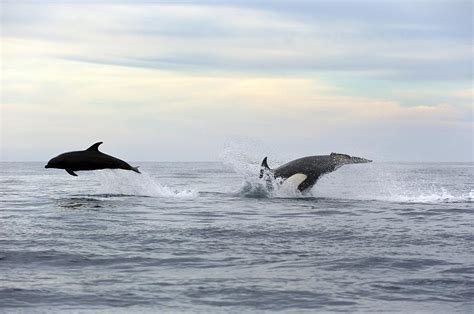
(304, 172)
(89, 159)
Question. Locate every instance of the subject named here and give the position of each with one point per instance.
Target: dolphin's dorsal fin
(95, 146)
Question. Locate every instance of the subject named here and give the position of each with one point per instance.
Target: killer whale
(305, 172)
(89, 159)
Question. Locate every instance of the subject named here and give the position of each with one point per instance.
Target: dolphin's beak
(47, 166)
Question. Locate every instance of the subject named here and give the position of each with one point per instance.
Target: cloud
(308, 77)
(72, 102)
(247, 38)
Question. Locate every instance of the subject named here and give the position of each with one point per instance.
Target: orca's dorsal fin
(265, 164)
(95, 147)
(264, 167)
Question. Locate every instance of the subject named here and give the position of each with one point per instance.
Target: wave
(442, 196)
(113, 182)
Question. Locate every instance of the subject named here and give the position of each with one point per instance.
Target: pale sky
(177, 80)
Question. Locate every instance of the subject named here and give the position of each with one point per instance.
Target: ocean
(209, 237)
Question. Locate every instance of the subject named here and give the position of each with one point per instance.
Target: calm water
(206, 237)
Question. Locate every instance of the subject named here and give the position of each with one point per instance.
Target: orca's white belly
(294, 181)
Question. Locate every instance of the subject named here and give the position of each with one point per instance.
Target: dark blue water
(206, 237)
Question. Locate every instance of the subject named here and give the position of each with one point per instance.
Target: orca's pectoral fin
(307, 184)
(71, 172)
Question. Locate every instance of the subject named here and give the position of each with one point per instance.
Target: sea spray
(245, 157)
(387, 182)
(127, 183)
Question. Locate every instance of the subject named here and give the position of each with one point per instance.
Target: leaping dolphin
(89, 159)
(304, 172)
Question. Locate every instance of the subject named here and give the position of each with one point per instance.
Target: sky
(180, 80)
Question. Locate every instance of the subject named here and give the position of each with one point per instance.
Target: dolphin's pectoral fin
(71, 172)
(95, 147)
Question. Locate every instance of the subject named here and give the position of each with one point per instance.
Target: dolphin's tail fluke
(264, 168)
(135, 169)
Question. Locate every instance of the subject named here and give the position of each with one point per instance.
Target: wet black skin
(89, 159)
(313, 167)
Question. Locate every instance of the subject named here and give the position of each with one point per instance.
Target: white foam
(442, 196)
(130, 183)
(269, 188)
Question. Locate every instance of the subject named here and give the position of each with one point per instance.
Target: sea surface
(209, 237)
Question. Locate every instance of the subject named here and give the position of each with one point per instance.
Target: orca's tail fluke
(135, 169)
(264, 168)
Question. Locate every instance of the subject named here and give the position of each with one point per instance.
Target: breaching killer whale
(304, 172)
(89, 159)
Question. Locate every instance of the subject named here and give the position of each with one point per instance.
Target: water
(209, 237)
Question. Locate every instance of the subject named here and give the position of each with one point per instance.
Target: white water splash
(269, 188)
(128, 183)
(245, 158)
